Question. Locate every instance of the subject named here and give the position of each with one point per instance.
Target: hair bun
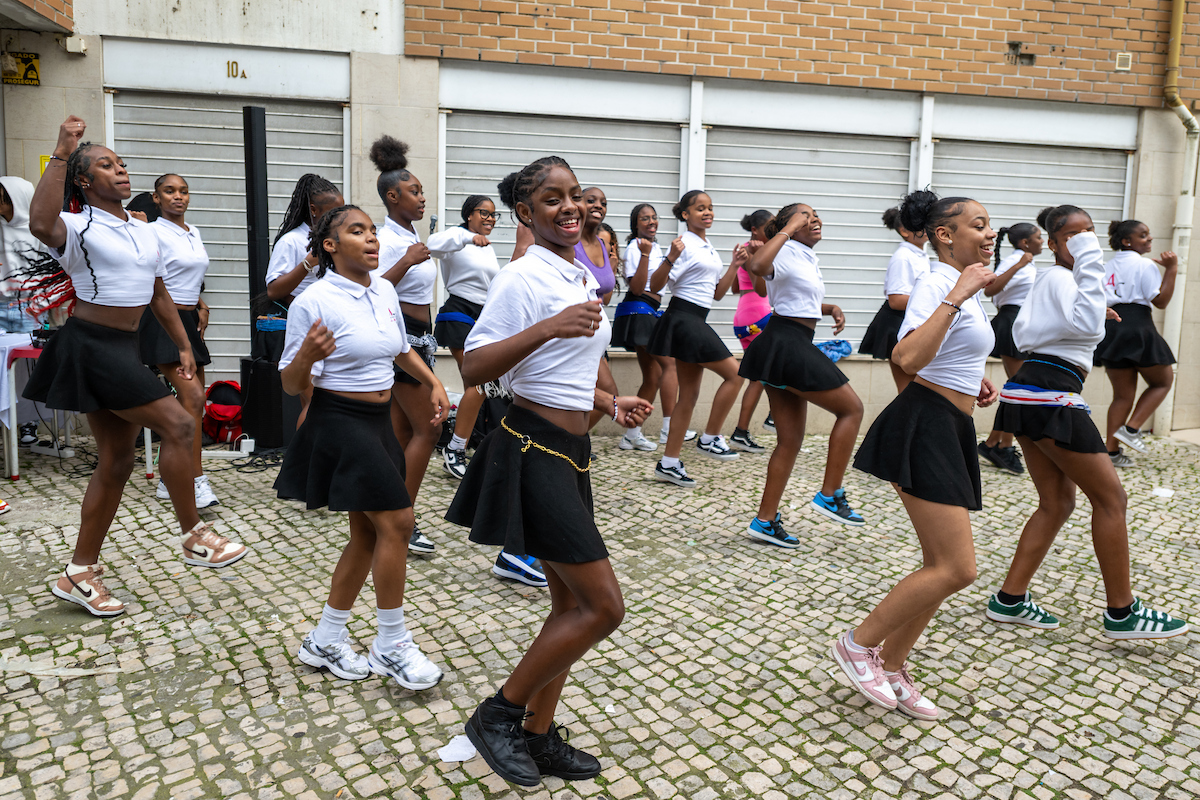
(389, 154)
(1113, 226)
(916, 209)
(1043, 217)
(505, 189)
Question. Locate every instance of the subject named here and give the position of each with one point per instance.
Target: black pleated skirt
(926, 446)
(784, 356)
(344, 456)
(634, 330)
(87, 367)
(413, 327)
(1133, 342)
(881, 334)
(527, 500)
(683, 334)
(155, 346)
(452, 333)
(1070, 428)
(1002, 325)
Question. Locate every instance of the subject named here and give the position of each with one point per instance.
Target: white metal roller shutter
(849, 180)
(1016, 181)
(200, 138)
(632, 162)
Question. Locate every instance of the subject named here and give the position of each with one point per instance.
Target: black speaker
(269, 414)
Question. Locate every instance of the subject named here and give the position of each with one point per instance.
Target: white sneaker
(1134, 440)
(337, 657)
(717, 449)
(205, 498)
(687, 437)
(407, 664)
(161, 492)
(638, 442)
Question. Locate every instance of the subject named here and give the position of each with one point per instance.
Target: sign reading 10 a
(232, 70)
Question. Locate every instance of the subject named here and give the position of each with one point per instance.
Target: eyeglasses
(487, 214)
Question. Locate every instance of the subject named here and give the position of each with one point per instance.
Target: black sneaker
(556, 757)
(420, 543)
(1012, 460)
(674, 475)
(741, 441)
(28, 434)
(455, 463)
(497, 734)
(991, 455)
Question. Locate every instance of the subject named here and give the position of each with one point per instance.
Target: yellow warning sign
(21, 69)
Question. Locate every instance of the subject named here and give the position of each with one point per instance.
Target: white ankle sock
(457, 443)
(669, 462)
(633, 433)
(333, 622)
(74, 569)
(391, 628)
(706, 439)
(666, 425)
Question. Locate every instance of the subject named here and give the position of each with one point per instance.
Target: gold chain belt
(531, 443)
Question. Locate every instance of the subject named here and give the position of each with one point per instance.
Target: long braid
(326, 228)
(74, 200)
(309, 187)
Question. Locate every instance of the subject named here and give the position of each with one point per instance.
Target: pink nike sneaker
(865, 671)
(908, 697)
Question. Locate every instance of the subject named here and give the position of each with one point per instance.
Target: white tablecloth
(25, 408)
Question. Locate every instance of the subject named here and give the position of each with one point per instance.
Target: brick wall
(60, 12)
(912, 45)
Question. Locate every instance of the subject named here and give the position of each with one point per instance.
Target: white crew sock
(669, 462)
(391, 629)
(333, 622)
(666, 425)
(706, 439)
(633, 433)
(457, 443)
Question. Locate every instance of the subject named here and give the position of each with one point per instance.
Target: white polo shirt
(467, 269)
(959, 362)
(695, 273)
(1130, 277)
(795, 288)
(1064, 313)
(633, 257)
(562, 372)
(122, 258)
(184, 259)
(289, 251)
(908, 263)
(416, 286)
(367, 328)
(1018, 286)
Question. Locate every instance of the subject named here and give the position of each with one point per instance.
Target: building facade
(846, 106)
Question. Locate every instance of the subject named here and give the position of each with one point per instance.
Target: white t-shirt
(184, 259)
(795, 288)
(416, 286)
(908, 263)
(1130, 277)
(289, 251)
(562, 372)
(467, 269)
(367, 328)
(633, 257)
(121, 262)
(959, 362)
(1064, 313)
(695, 273)
(1018, 286)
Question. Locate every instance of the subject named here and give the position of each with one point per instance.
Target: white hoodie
(19, 244)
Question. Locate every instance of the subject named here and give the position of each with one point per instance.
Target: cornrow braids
(326, 228)
(1119, 231)
(519, 186)
(633, 217)
(159, 180)
(308, 188)
(74, 201)
(1054, 217)
(781, 220)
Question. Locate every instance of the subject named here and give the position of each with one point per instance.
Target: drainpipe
(1181, 232)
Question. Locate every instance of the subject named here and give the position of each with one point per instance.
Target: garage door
(849, 180)
(201, 139)
(632, 162)
(1015, 181)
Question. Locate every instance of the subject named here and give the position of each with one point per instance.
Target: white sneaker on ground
(687, 437)
(161, 492)
(407, 664)
(638, 442)
(205, 497)
(337, 657)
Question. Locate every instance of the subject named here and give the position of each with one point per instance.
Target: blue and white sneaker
(836, 508)
(524, 569)
(772, 532)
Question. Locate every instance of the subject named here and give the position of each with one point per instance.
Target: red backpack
(223, 411)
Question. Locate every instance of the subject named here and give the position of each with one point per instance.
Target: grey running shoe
(407, 664)
(338, 658)
(1135, 440)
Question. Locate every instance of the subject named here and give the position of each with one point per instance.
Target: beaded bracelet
(948, 303)
(614, 408)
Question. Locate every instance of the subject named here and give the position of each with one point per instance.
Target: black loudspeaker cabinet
(269, 414)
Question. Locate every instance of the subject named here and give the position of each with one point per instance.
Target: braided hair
(326, 228)
(1119, 231)
(390, 156)
(1053, 218)
(518, 187)
(633, 217)
(308, 189)
(1016, 234)
(470, 204)
(74, 200)
(781, 220)
(923, 210)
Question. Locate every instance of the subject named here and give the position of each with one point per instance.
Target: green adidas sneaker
(1026, 612)
(1144, 623)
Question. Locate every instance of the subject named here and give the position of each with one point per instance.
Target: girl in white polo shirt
(1058, 326)
(908, 263)
(924, 444)
(91, 365)
(185, 261)
(542, 333)
(1132, 346)
(290, 270)
(795, 372)
(696, 280)
(344, 334)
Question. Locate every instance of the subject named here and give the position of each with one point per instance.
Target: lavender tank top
(604, 274)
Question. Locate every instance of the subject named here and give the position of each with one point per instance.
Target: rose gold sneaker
(204, 548)
(86, 589)
(908, 697)
(865, 671)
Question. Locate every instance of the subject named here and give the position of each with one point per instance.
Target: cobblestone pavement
(717, 685)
